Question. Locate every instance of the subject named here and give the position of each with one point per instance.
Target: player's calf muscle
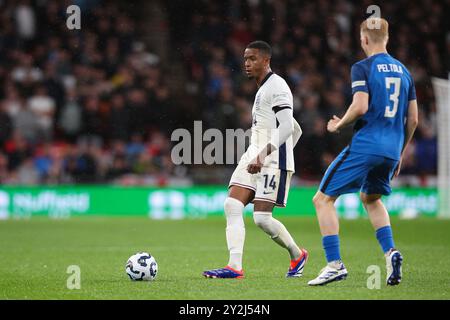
(369, 198)
(326, 213)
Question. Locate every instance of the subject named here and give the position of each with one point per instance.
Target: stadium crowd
(79, 106)
(92, 105)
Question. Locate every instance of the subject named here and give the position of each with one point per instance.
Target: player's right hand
(332, 125)
(255, 166)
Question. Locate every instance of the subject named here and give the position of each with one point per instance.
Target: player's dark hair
(261, 46)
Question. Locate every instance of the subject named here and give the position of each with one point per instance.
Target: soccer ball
(141, 266)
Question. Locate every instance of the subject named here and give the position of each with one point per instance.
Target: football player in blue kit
(384, 110)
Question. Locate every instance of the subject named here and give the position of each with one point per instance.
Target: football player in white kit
(264, 171)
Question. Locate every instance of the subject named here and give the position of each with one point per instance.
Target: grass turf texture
(35, 254)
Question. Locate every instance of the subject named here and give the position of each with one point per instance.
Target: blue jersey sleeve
(412, 91)
(359, 79)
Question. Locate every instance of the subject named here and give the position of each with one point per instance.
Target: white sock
(277, 231)
(336, 264)
(235, 231)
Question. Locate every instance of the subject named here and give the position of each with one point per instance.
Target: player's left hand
(332, 125)
(255, 166)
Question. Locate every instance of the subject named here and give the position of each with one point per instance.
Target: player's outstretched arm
(411, 124)
(357, 109)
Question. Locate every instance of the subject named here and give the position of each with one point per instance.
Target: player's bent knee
(262, 220)
(320, 199)
(316, 200)
(233, 206)
(368, 199)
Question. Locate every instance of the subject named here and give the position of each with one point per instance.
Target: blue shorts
(352, 172)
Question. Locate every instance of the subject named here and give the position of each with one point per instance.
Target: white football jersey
(273, 94)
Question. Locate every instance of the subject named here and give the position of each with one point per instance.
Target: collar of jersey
(379, 54)
(266, 78)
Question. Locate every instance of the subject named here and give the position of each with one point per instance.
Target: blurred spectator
(92, 122)
(71, 116)
(6, 124)
(17, 150)
(137, 112)
(27, 174)
(119, 168)
(12, 102)
(25, 122)
(26, 72)
(43, 107)
(135, 147)
(25, 20)
(4, 171)
(119, 118)
(426, 151)
(82, 165)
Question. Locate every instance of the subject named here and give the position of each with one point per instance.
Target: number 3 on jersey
(393, 97)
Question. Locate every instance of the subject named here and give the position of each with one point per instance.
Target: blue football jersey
(381, 131)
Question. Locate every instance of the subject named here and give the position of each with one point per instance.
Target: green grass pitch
(35, 254)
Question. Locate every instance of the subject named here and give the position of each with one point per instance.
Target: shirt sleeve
(281, 98)
(285, 128)
(359, 79)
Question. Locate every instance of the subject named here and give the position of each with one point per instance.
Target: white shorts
(270, 184)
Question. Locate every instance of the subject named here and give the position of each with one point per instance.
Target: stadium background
(85, 123)
(97, 106)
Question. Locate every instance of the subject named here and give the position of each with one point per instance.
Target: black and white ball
(141, 267)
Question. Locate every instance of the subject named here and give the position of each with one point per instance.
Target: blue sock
(384, 237)
(331, 247)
